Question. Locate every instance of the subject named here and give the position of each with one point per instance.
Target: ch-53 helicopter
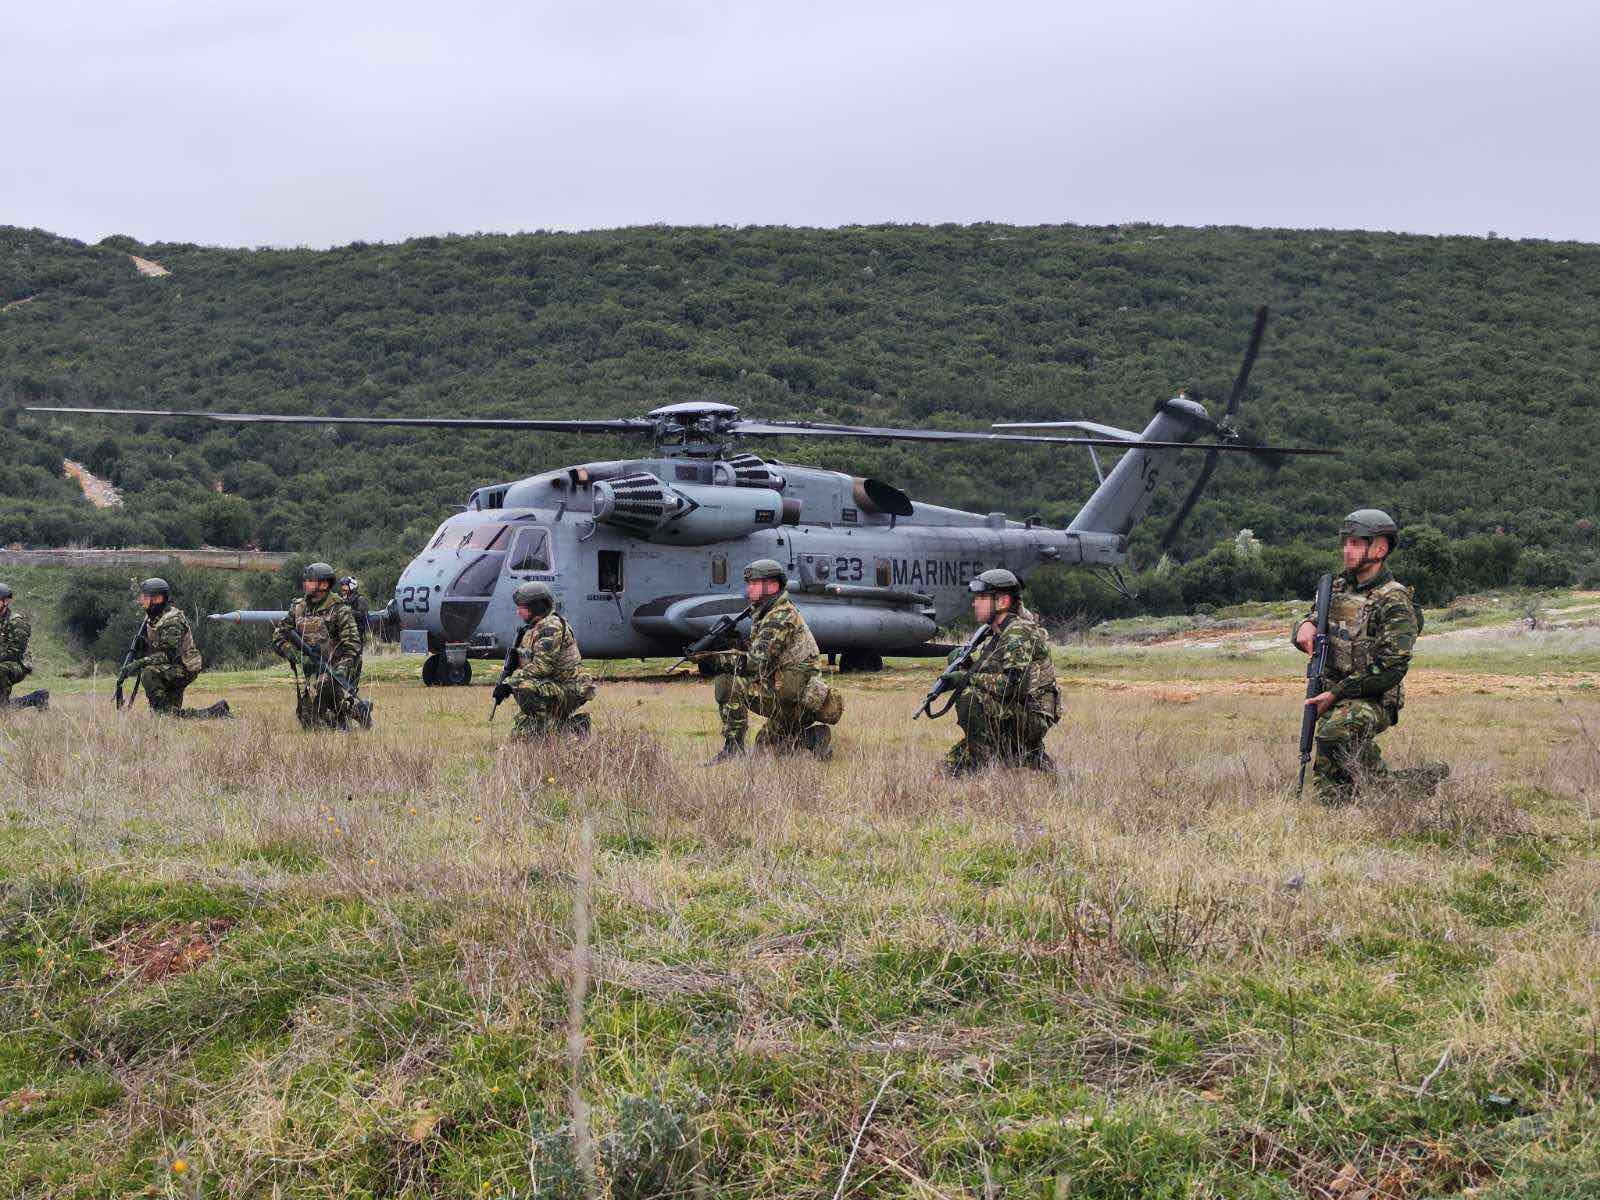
(646, 554)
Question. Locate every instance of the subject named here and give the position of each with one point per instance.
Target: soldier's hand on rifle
(502, 691)
(1322, 701)
(955, 681)
(1305, 637)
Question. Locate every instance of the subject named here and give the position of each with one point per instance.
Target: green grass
(1158, 975)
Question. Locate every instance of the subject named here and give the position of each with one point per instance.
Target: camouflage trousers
(164, 687)
(1347, 747)
(548, 703)
(996, 732)
(11, 674)
(797, 699)
(322, 704)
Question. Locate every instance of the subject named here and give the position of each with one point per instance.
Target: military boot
(217, 712)
(819, 740)
(577, 726)
(1423, 780)
(731, 748)
(39, 699)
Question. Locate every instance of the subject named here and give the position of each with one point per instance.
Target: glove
(502, 691)
(956, 680)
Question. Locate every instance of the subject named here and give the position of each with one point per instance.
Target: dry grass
(1155, 974)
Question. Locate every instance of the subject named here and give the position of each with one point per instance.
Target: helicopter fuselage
(645, 554)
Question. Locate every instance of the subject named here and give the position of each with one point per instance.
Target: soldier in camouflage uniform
(1373, 624)
(171, 660)
(350, 591)
(15, 662)
(1008, 699)
(326, 624)
(777, 677)
(548, 681)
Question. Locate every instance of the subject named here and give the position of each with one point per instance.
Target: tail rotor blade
(1189, 501)
(1250, 353)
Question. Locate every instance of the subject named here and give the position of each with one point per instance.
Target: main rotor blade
(1250, 353)
(620, 425)
(1171, 533)
(873, 433)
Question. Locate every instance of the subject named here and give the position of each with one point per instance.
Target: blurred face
(525, 613)
(5, 605)
(147, 601)
(315, 589)
(1360, 551)
(757, 590)
(986, 606)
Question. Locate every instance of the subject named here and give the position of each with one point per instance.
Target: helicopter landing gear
(852, 661)
(439, 671)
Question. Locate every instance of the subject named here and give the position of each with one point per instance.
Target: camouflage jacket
(547, 651)
(1372, 628)
(14, 633)
(1015, 666)
(328, 627)
(169, 642)
(779, 637)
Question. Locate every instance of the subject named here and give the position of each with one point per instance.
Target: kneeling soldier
(777, 677)
(1373, 623)
(171, 660)
(1009, 699)
(15, 662)
(326, 625)
(548, 682)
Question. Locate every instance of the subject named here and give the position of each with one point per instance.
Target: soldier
(16, 664)
(350, 592)
(548, 683)
(1373, 623)
(171, 660)
(1008, 699)
(327, 626)
(777, 676)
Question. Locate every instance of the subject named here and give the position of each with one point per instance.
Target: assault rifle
(124, 671)
(719, 633)
(361, 709)
(1315, 669)
(946, 681)
(505, 673)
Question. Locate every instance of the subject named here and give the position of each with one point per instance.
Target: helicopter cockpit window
(445, 531)
(478, 579)
(482, 537)
(531, 551)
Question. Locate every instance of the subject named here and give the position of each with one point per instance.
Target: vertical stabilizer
(1121, 501)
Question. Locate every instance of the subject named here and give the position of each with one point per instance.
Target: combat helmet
(319, 571)
(766, 568)
(155, 586)
(5, 591)
(1371, 523)
(996, 579)
(537, 598)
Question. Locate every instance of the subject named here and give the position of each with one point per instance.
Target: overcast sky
(242, 122)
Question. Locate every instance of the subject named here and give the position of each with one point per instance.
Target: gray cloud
(295, 123)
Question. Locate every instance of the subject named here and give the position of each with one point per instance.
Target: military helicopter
(646, 554)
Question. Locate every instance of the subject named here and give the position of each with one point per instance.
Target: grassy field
(238, 960)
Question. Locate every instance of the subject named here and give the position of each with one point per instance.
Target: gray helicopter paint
(864, 580)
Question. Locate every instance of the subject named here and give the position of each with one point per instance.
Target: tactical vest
(568, 657)
(315, 628)
(14, 633)
(188, 652)
(1350, 635)
(799, 648)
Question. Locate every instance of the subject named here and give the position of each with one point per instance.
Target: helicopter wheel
(437, 671)
(852, 661)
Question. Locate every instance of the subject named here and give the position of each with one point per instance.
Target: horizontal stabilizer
(251, 616)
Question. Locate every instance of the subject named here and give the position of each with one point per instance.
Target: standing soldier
(326, 625)
(1008, 699)
(171, 660)
(548, 683)
(1373, 623)
(777, 676)
(350, 591)
(15, 662)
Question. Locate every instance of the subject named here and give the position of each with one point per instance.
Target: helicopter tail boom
(1120, 501)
